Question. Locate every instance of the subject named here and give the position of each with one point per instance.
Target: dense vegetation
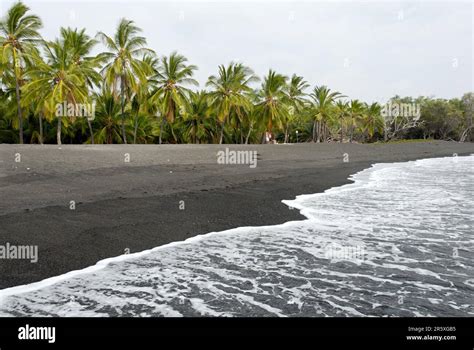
(136, 96)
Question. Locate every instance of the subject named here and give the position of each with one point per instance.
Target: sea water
(398, 241)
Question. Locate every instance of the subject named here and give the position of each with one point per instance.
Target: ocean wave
(398, 241)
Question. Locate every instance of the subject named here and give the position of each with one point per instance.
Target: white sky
(366, 50)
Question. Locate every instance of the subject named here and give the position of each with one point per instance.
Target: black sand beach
(138, 205)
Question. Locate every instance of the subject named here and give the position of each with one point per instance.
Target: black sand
(136, 206)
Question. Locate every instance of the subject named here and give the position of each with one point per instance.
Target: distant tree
(323, 101)
(272, 109)
(18, 33)
(295, 95)
(124, 70)
(468, 109)
(230, 90)
(356, 112)
(173, 75)
(342, 111)
(372, 121)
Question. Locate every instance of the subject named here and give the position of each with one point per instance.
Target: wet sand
(165, 193)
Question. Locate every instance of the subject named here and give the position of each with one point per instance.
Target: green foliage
(140, 96)
(18, 33)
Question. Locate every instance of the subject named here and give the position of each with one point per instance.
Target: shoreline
(103, 263)
(100, 229)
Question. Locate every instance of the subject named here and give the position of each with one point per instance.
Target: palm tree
(142, 105)
(57, 80)
(172, 77)
(196, 121)
(273, 108)
(38, 109)
(108, 117)
(295, 95)
(372, 119)
(18, 32)
(80, 45)
(356, 110)
(323, 100)
(251, 121)
(342, 110)
(124, 69)
(7, 115)
(230, 90)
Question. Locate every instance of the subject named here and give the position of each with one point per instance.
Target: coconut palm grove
(57, 91)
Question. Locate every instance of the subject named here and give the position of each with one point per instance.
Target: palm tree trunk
(318, 136)
(90, 130)
(135, 130)
(122, 92)
(161, 129)
(342, 126)
(352, 130)
(314, 130)
(109, 136)
(248, 135)
(58, 131)
(173, 134)
(41, 127)
(194, 132)
(221, 138)
(286, 134)
(20, 115)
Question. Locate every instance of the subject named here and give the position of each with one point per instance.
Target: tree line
(57, 91)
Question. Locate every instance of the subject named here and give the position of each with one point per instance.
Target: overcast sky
(366, 50)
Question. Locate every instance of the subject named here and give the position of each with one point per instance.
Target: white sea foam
(412, 221)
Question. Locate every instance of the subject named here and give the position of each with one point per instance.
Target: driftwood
(465, 133)
(397, 125)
